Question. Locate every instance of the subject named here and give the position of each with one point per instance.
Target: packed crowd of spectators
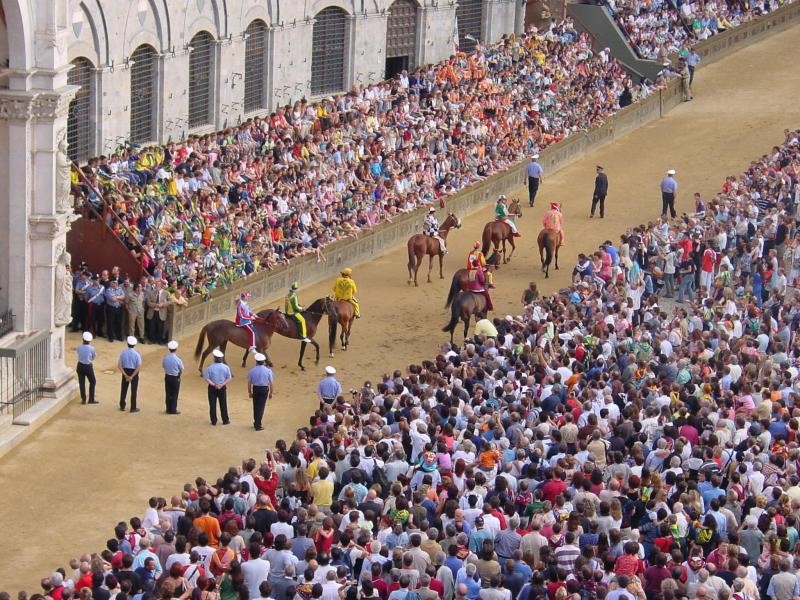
(658, 29)
(221, 206)
(599, 445)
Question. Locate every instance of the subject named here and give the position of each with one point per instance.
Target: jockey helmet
(347, 272)
(476, 245)
(555, 205)
(244, 295)
(295, 287)
(432, 209)
(501, 198)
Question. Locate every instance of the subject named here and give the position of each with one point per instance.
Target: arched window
(79, 121)
(255, 80)
(143, 94)
(469, 14)
(327, 51)
(401, 37)
(201, 78)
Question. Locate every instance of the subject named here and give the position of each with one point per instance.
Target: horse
(548, 248)
(497, 233)
(460, 281)
(421, 244)
(342, 313)
(463, 307)
(312, 315)
(222, 331)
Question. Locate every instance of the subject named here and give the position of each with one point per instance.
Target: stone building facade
(154, 70)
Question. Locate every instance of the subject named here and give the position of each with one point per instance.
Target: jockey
(293, 309)
(344, 288)
(477, 283)
(553, 219)
(244, 318)
(431, 227)
(501, 214)
(476, 255)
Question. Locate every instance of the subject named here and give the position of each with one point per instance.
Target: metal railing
(23, 372)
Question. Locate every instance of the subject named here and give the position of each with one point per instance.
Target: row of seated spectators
(658, 29)
(204, 212)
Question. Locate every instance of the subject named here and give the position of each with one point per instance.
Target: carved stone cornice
(49, 227)
(47, 105)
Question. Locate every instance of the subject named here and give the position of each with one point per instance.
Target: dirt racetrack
(91, 466)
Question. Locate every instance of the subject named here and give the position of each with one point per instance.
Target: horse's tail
(548, 252)
(454, 313)
(487, 239)
(412, 256)
(455, 287)
(200, 342)
(333, 321)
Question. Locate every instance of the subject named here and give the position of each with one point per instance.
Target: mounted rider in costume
(477, 284)
(501, 214)
(554, 219)
(244, 318)
(293, 310)
(431, 227)
(477, 255)
(344, 288)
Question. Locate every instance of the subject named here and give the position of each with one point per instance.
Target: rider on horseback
(244, 318)
(477, 255)
(344, 288)
(293, 309)
(477, 283)
(501, 214)
(431, 227)
(554, 219)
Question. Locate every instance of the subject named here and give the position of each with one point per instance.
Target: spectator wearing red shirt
(629, 564)
(267, 482)
(707, 268)
(556, 486)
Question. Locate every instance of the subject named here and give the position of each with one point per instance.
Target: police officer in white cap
(173, 368)
(329, 388)
(85, 369)
(218, 375)
(129, 364)
(669, 187)
(260, 387)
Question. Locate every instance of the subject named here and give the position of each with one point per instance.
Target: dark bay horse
(421, 244)
(463, 307)
(312, 315)
(343, 314)
(222, 331)
(497, 233)
(460, 281)
(548, 249)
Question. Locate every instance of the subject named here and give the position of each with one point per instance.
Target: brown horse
(460, 281)
(548, 249)
(342, 313)
(222, 331)
(312, 315)
(420, 244)
(463, 307)
(497, 233)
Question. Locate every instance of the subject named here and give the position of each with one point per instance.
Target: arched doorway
(401, 37)
(329, 43)
(143, 94)
(79, 119)
(469, 15)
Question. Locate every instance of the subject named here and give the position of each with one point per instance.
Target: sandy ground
(92, 466)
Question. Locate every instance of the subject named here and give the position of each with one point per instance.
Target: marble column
(39, 215)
